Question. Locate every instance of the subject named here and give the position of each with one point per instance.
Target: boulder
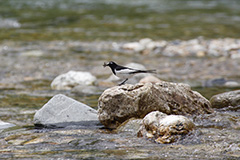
(163, 128)
(226, 99)
(61, 111)
(71, 79)
(150, 79)
(120, 103)
(4, 125)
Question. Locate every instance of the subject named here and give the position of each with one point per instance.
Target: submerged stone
(120, 103)
(61, 111)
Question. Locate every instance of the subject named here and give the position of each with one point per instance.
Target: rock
(135, 46)
(4, 125)
(120, 103)
(192, 47)
(9, 23)
(163, 128)
(220, 82)
(150, 79)
(71, 79)
(132, 125)
(226, 99)
(33, 53)
(231, 84)
(61, 111)
(145, 46)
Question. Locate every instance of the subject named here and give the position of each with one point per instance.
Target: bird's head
(110, 64)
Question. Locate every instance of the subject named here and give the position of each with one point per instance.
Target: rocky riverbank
(197, 62)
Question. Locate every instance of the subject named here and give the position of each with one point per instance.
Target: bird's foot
(123, 82)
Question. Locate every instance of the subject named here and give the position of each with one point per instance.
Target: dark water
(88, 20)
(55, 27)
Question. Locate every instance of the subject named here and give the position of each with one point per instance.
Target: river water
(42, 39)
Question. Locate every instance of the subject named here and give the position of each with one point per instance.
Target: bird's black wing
(118, 68)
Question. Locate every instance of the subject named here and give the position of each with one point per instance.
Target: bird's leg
(123, 82)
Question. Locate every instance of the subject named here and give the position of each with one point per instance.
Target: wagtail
(124, 72)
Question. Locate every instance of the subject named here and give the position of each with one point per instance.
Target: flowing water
(42, 39)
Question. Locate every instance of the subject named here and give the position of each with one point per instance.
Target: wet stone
(165, 128)
(226, 99)
(62, 111)
(120, 103)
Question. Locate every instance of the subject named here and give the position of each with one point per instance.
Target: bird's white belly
(124, 73)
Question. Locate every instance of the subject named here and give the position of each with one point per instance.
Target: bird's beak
(105, 64)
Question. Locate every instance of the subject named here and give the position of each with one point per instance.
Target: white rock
(61, 110)
(71, 79)
(145, 41)
(165, 128)
(135, 46)
(33, 53)
(4, 125)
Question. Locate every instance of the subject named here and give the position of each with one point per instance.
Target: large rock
(71, 79)
(226, 99)
(61, 111)
(163, 128)
(120, 103)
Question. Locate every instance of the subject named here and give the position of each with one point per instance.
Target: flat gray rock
(62, 111)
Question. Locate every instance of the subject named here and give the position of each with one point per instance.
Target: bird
(124, 72)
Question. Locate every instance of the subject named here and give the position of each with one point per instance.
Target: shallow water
(31, 20)
(216, 135)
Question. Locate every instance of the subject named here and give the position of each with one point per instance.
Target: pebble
(199, 47)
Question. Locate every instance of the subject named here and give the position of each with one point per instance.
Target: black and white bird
(125, 72)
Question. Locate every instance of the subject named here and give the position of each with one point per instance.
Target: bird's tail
(151, 71)
(145, 71)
